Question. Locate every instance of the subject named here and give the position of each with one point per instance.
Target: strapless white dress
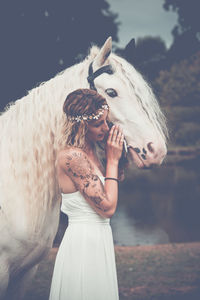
(85, 267)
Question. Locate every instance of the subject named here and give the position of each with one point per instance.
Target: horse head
(132, 105)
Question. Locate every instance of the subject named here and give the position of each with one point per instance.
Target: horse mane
(31, 135)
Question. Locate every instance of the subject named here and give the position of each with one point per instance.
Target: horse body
(32, 133)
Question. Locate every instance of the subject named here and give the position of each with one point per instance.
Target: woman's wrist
(113, 162)
(112, 168)
(112, 178)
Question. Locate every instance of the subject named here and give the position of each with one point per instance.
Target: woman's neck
(89, 147)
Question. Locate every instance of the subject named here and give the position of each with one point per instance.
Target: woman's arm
(114, 149)
(77, 166)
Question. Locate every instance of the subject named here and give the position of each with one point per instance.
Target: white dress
(85, 267)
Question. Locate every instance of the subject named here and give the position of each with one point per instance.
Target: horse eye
(111, 92)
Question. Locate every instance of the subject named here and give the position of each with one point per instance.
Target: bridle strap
(92, 75)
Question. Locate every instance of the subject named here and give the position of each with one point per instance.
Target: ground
(158, 272)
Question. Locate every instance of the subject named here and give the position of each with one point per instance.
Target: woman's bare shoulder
(69, 153)
(69, 150)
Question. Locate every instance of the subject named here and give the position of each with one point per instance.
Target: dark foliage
(187, 32)
(148, 55)
(41, 38)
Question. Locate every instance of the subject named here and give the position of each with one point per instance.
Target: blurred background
(161, 38)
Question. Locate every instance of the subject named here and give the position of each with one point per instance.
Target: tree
(41, 38)
(180, 85)
(147, 55)
(179, 92)
(187, 32)
(188, 16)
(151, 54)
(150, 48)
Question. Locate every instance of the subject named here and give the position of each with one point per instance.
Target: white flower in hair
(90, 117)
(78, 119)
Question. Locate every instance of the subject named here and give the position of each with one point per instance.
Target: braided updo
(80, 102)
(83, 101)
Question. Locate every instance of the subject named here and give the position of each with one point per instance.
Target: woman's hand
(114, 144)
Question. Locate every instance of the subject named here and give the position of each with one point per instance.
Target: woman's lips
(101, 137)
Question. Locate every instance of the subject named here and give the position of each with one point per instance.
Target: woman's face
(97, 129)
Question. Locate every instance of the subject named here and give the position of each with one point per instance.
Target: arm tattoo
(81, 172)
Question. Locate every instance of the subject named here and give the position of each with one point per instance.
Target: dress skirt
(85, 267)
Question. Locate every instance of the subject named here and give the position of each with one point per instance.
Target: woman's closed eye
(99, 124)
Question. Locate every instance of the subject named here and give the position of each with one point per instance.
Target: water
(157, 206)
(128, 232)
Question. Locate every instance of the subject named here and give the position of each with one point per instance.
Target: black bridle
(92, 75)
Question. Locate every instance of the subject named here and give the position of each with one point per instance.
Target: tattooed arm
(76, 164)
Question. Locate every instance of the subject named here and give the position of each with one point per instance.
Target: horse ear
(103, 54)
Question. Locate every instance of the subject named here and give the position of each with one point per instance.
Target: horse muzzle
(146, 158)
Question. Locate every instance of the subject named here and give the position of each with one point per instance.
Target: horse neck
(30, 130)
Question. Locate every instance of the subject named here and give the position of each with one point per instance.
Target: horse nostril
(150, 147)
(144, 151)
(137, 150)
(143, 156)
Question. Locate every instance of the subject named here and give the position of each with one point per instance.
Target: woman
(85, 263)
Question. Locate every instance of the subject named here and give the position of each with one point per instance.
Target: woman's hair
(80, 102)
(86, 102)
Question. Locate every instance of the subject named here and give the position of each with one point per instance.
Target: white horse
(32, 132)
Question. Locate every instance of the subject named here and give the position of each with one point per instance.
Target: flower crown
(91, 116)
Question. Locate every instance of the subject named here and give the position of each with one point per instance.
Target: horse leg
(4, 279)
(18, 288)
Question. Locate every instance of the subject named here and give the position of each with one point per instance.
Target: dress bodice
(78, 210)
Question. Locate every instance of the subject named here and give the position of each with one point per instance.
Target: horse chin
(135, 158)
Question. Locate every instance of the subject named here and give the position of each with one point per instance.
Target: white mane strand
(31, 132)
(143, 93)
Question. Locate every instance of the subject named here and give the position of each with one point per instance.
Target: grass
(158, 272)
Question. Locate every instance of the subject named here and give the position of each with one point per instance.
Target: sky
(141, 18)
